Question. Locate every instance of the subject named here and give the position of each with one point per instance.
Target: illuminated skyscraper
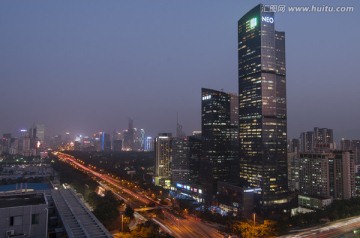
(163, 158)
(40, 132)
(219, 140)
(262, 107)
(149, 144)
(180, 160)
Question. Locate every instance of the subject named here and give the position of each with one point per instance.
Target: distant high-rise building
(314, 174)
(26, 146)
(130, 135)
(294, 146)
(163, 158)
(117, 145)
(351, 145)
(139, 140)
(262, 108)
(102, 141)
(319, 139)
(105, 141)
(195, 155)
(126, 141)
(40, 132)
(327, 174)
(149, 144)
(179, 129)
(5, 142)
(55, 142)
(67, 138)
(323, 138)
(180, 160)
(307, 141)
(345, 145)
(134, 138)
(219, 140)
(355, 147)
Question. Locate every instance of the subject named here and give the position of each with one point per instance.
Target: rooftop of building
(25, 186)
(76, 218)
(18, 200)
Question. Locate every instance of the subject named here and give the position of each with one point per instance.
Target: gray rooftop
(77, 219)
(18, 199)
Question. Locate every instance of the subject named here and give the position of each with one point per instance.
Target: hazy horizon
(88, 66)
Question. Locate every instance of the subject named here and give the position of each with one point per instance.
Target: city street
(188, 227)
(333, 229)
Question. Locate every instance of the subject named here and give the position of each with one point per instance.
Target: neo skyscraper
(262, 107)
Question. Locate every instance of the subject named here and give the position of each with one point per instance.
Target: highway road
(333, 229)
(176, 226)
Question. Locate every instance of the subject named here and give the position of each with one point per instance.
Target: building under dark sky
(219, 135)
(262, 106)
(83, 68)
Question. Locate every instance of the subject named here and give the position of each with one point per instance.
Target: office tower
(180, 160)
(5, 142)
(55, 142)
(355, 147)
(195, 154)
(320, 139)
(130, 135)
(219, 140)
(139, 139)
(67, 138)
(314, 174)
(294, 145)
(40, 132)
(14, 146)
(179, 129)
(126, 141)
(293, 170)
(102, 141)
(105, 141)
(163, 143)
(117, 145)
(345, 144)
(323, 138)
(149, 144)
(342, 175)
(307, 141)
(26, 146)
(351, 145)
(262, 107)
(327, 174)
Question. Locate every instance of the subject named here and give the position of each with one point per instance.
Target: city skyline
(88, 68)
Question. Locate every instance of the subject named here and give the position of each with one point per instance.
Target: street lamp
(254, 216)
(122, 223)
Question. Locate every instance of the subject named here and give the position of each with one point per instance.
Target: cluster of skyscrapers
(241, 159)
(28, 142)
(131, 139)
(243, 148)
(244, 136)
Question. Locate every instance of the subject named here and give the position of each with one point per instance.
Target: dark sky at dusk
(87, 66)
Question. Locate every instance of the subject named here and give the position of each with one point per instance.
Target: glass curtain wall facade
(220, 152)
(262, 107)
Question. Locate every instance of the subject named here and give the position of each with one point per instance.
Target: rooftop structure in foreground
(76, 218)
(23, 215)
